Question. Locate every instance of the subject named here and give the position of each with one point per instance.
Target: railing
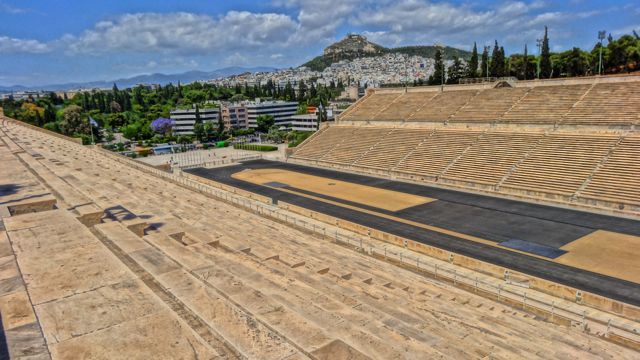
(486, 80)
(199, 160)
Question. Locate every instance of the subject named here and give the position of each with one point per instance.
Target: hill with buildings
(355, 46)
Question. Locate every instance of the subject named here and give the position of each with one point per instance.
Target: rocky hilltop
(352, 46)
(355, 46)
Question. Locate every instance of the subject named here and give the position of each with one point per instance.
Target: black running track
(533, 228)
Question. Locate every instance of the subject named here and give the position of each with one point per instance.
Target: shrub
(296, 138)
(51, 126)
(255, 147)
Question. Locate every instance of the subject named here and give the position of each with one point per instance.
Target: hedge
(255, 147)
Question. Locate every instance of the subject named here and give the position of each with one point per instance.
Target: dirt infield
(362, 194)
(605, 252)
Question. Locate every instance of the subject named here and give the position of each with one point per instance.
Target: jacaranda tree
(162, 126)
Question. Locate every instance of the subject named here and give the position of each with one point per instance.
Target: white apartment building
(281, 111)
(185, 119)
(304, 122)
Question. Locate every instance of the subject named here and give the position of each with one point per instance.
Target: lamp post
(539, 44)
(601, 35)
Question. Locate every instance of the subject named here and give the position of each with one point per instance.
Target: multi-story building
(304, 122)
(234, 116)
(280, 110)
(185, 119)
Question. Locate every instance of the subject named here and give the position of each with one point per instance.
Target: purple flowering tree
(162, 126)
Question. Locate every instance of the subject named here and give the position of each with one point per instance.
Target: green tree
(495, 61)
(199, 131)
(198, 119)
(130, 131)
(473, 63)
(51, 126)
(302, 109)
(302, 90)
(623, 54)
(498, 64)
(274, 134)
(455, 72)
(265, 122)
(115, 107)
(238, 98)
(525, 62)
(183, 139)
(49, 114)
(485, 62)
(74, 121)
(209, 130)
(545, 57)
(438, 72)
(574, 62)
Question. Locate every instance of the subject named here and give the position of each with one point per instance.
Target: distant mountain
(355, 46)
(158, 78)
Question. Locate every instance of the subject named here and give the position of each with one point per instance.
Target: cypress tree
(496, 65)
(505, 65)
(525, 62)
(438, 64)
(198, 120)
(473, 63)
(545, 57)
(485, 61)
(289, 93)
(302, 90)
(85, 101)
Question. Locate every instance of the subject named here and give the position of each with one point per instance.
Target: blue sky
(55, 41)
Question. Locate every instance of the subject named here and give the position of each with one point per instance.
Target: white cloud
(166, 63)
(319, 20)
(9, 9)
(421, 21)
(306, 26)
(236, 59)
(180, 32)
(13, 46)
(626, 30)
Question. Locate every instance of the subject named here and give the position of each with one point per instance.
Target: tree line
(132, 110)
(618, 56)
